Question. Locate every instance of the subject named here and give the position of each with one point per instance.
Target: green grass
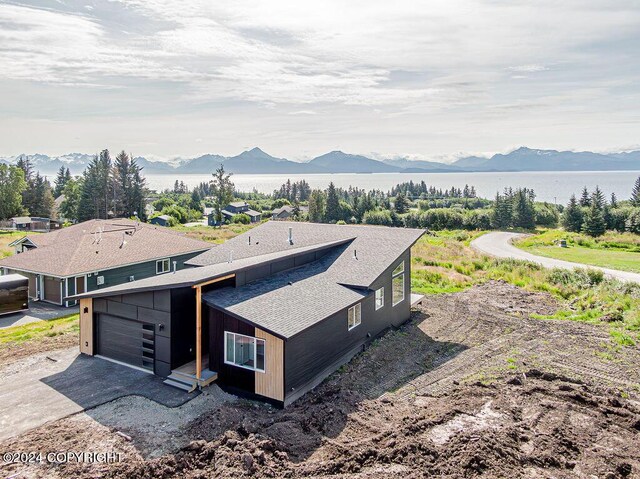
(214, 234)
(39, 330)
(613, 250)
(444, 263)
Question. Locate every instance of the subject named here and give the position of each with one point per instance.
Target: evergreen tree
(524, 213)
(42, 197)
(614, 201)
(594, 223)
(332, 211)
(598, 197)
(635, 194)
(122, 185)
(12, 184)
(196, 201)
(502, 211)
(222, 191)
(63, 176)
(97, 189)
(316, 206)
(585, 199)
(401, 205)
(572, 216)
(28, 198)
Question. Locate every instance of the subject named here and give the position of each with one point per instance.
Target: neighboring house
(32, 223)
(233, 209)
(286, 212)
(268, 314)
(162, 220)
(97, 254)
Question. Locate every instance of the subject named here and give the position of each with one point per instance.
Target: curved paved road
(499, 244)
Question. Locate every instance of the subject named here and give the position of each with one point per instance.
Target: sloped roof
(292, 301)
(81, 248)
(238, 204)
(375, 246)
(192, 276)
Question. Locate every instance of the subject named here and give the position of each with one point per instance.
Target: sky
(425, 80)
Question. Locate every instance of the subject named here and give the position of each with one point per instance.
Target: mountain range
(256, 161)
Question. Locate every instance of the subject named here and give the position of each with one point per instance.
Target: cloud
(528, 68)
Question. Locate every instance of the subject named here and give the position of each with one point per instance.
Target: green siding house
(97, 254)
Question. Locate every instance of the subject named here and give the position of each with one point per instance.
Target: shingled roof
(292, 301)
(375, 246)
(99, 245)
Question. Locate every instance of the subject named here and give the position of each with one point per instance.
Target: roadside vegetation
(443, 262)
(611, 250)
(214, 235)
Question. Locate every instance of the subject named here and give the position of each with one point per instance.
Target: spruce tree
(401, 205)
(332, 211)
(316, 206)
(598, 197)
(62, 177)
(614, 201)
(524, 213)
(635, 194)
(594, 223)
(572, 216)
(222, 191)
(585, 199)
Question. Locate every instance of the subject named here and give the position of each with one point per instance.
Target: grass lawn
(7, 237)
(39, 330)
(214, 234)
(614, 250)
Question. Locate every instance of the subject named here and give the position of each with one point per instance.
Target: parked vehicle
(14, 293)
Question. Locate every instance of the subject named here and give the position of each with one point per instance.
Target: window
(163, 266)
(379, 298)
(244, 351)
(354, 316)
(397, 284)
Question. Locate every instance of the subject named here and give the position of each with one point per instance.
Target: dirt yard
(472, 386)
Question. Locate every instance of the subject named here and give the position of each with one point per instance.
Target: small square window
(163, 266)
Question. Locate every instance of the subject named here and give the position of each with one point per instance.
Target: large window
(379, 298)
(163, 266)
(397, 284)
(244, 351)
(354, 317)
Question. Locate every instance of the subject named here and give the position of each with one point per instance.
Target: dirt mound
(542, 428)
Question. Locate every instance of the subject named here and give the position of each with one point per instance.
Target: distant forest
(117, 188)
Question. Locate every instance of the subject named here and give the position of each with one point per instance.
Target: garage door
(130, 342)
(52, 289)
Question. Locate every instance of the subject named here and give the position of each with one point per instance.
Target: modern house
(97, 254)
(268, 314)
(233, 209)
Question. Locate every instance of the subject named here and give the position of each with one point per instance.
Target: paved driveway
(52, 385)
(499, 244)
(38, 311)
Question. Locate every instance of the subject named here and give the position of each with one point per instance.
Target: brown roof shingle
(97, 245)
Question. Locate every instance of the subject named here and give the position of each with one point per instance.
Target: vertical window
(379, 298)
(244, 351)
(163, 266)
(354, 316)
(397, 284)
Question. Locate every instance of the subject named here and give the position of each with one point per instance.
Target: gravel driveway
(499, 244)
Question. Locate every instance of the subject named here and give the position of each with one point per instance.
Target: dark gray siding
(138, 271)
(149, 307)
(318, 351)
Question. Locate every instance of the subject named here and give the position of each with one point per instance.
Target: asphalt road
(499, 244)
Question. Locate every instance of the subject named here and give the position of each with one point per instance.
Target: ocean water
(551, 186)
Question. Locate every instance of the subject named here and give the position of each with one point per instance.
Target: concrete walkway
(499, 244)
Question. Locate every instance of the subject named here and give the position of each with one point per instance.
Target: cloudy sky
(427, 79)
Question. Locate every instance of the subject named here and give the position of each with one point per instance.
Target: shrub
(242, 218)
(378, 217)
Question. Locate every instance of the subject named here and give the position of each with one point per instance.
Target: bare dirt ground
(472, 386)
